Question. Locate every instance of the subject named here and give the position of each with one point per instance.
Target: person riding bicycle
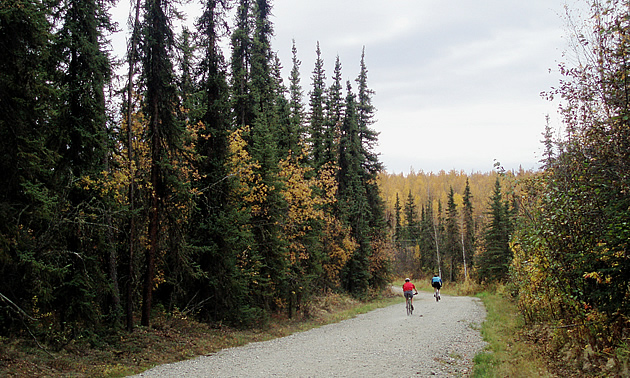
(436, 282)
(408, 290)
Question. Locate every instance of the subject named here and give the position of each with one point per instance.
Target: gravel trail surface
(439, 339)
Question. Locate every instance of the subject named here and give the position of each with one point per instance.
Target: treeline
(454, 224)
(571, 268)
(201, 185)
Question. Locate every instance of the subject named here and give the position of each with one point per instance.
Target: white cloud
(469, 72)
(466, 71)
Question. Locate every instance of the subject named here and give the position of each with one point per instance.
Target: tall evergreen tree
(452, 247)
(218, 230)
(409, 236)
(438, 239)
(369, 136)
(297, 129)
(371, 167)
(82, 143)
(164, 130)
(286, 132)
(317, 100)
(264, 150)
(82, 139)
(129, 107)
(430, 236)
(353, 205)
(334, 116)
(186, 86)
(27, 199)
(398, 229)
(241, 42)
(468, 230)
(495, 260)
(411, 220)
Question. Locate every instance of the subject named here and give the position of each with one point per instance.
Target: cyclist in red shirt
(408, 289)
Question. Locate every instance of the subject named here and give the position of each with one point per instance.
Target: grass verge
(508, 354)
(171, 338)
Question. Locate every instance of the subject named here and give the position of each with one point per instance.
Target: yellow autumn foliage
(249, 188)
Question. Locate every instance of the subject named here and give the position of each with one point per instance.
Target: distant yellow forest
(436, 186)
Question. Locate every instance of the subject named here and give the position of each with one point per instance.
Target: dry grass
(170, 339)
(508, 354)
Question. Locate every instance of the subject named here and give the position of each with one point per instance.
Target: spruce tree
(334, 116)
(495, 260)
(218, 230)
(82, 132)
(369, 137)
(468, 230)
(241, 42)
(354, 208)
(270, 208)
(164, 130)
(411, 220)
(371, 169)
(297, 129)
(130, 108)
(430, 239)
(27, 197)
(452, 247)
(398, 229)
(316, 119)
(287, 133)
(438, 239)
(186, 86)
(82, 143)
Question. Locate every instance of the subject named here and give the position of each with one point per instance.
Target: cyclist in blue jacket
(436, 282)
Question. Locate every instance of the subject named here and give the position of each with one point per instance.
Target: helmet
(407, 280)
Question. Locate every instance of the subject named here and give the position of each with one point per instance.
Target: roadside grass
(507, 354)
(172, 338)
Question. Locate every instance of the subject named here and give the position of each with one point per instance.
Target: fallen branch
(24, 315)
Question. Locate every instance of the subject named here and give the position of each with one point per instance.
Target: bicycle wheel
(409, 310)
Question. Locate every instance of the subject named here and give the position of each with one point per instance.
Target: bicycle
(437, 294)
(409, 306)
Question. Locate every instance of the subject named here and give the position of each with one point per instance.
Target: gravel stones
(439, 339)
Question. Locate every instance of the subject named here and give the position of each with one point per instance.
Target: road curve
(439, 339)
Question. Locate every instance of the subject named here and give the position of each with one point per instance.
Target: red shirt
(408, 286)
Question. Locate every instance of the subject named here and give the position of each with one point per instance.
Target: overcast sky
(457, 82)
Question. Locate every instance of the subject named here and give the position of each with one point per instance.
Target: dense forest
(439, 222)
(200, 183)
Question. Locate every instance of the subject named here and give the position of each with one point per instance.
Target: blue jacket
(436, 279)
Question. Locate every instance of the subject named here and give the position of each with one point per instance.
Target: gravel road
(439, 339)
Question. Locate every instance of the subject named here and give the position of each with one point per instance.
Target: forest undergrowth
(517, 348)
(172, 337)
